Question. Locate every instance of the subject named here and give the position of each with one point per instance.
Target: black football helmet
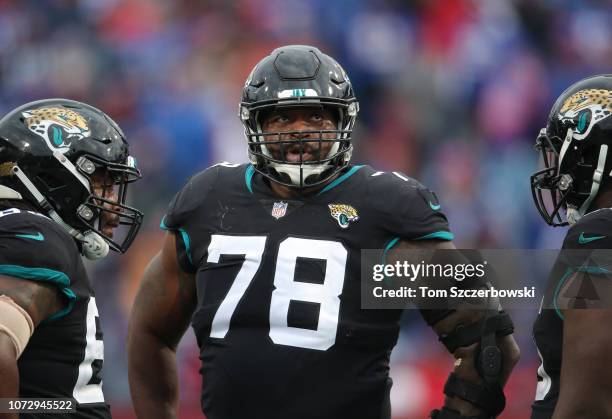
(49, 151)
(575, 147)
(298, 76)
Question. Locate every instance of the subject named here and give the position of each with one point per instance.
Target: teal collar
(340, 179)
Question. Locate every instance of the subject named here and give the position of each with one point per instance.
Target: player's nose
(298, 125)
(112, 198)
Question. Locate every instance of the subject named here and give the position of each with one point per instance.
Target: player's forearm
(153, 376)
(511, 354)
(583, 405)
(470, 390)
(586, 381)
(9, 384)
(582, 411)
(466, 368)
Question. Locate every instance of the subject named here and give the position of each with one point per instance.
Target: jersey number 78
(286, 288)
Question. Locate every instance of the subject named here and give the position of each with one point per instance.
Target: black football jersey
(278, 318)
(64, 356)
(592, 232)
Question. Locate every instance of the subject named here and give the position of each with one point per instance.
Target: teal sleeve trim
(45, 275)
(187, 242)
(184, 236)
(39, 274)
(442, 235)
(248, 177)
(388, 247)
(340, 179)
(71, 301)
(567, 274)
(163, 225)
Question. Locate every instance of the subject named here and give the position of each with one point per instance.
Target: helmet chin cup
(573, 215)
(94, 246)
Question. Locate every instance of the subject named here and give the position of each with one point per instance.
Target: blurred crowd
(452, 92)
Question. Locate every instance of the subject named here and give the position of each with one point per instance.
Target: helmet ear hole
(50, 182)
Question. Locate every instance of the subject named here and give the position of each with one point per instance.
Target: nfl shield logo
(279, 209)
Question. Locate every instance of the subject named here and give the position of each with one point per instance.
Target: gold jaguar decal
(58, 126)
(586, 108)
(344, 214)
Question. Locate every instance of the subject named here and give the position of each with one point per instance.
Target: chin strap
(94, 247)
(575, 214)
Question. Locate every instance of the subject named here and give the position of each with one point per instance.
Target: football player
(264, 260)
(575, 378)
(64, 173)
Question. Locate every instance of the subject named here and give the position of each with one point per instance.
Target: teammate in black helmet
(292, 79)
(264, 260)
(572, 329)
(64, 173)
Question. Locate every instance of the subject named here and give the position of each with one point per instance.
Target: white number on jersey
(252, 248)
(286, 287)
(86, 389)
(545, 383)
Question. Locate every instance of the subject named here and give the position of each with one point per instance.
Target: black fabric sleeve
(412, 211)
(588, 244)
(586, 261)
(593, 231)
(33, 247)
(183, 207)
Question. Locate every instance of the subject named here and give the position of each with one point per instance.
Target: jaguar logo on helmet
(59, 127)
(588, 107)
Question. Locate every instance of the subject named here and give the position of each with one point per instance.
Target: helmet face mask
(104, 206)
(298, 76)
(57, 151)
(548, 195)
(574, 148)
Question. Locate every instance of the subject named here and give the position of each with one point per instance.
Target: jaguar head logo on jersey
(344, 214)
(58, 126)
(279, 209)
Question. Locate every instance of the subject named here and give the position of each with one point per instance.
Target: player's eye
(277, 120)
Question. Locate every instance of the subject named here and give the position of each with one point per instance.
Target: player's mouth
(297, 153)
(296, 157)
(108, 232)
(109, 227)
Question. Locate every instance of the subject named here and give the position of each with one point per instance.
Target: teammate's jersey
(64, 356)
(593, 231)
(278, 317)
